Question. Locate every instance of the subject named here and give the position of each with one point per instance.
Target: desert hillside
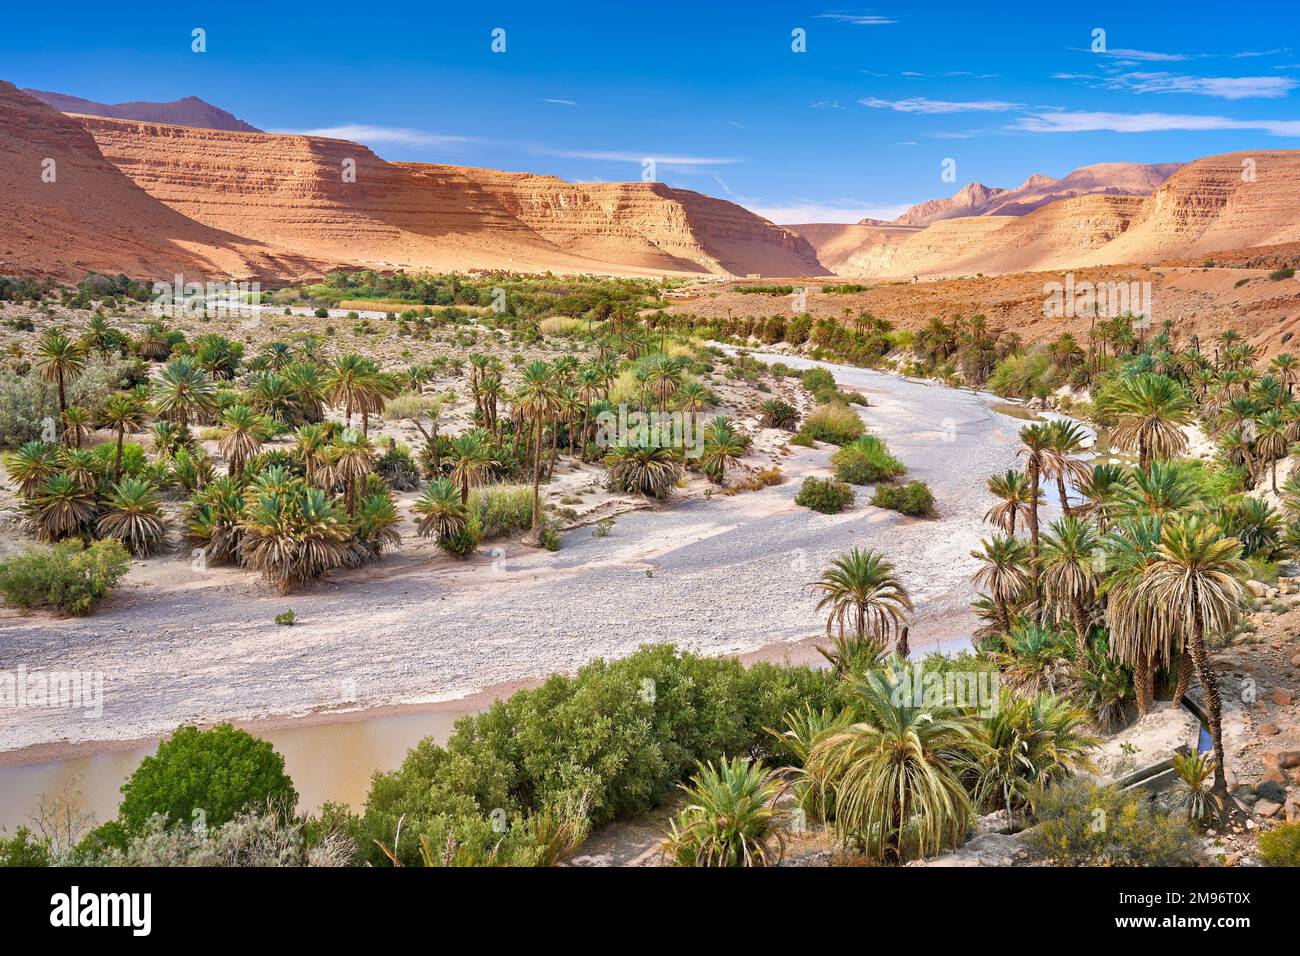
(298, 193)
(976, 199)
(1204, 208)
(189, 111)
(69, 211)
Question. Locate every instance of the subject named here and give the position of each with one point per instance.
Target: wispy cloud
(1085, 122)
(827, 105)
(1146, 56)
(1222, 87)
(858, 19)
(920, 104)
(797, 211)
(666, 160)
(946, 75)
(365, 133)
(546, 99)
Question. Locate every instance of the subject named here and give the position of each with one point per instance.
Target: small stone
(1295, 661)
(1231, 859)
(1268, 730)
(1282, 697)
(1257, 588)
(1267, 808)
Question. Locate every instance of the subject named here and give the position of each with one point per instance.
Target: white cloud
(1145, 55)
(919, 104)
(559, 102)
(858, 19)
(1223, 87)
(1083, 122)
(618, 156)
(365, 133)
(802, 211)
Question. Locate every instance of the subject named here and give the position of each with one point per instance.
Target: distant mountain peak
(187, 111)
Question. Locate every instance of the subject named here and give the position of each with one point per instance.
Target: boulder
(1267, 808)
(1268, 730)
(1257, 588)
(1282, 697)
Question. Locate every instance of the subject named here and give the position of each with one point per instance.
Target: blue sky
(859, 124)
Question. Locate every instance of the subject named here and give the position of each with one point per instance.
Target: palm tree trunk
(1032, 468)
(1143, 675)
(1065, 500)
(1210, 691)
(1080, 615)
(1184, 676)
(117, 459)
(537, 474)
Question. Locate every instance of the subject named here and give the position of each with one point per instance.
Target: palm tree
(1285, 366)
(310, 442)
(471, 460)
(441, 511)
(374, 524)
(1237, 422)
(304, 381)
(1163, 489)
(1196, 580)
(664, 378)
(643, 468)
(1271, 441)
(732, 817)
(100, 337)
(1028, 743)
(134, 517)
(896, 775)
(59, 360)
(537, 400)
(1065, 440)
(723, 447)
(63, 507)
(350, 383)
(76, 425)
(1003, 573)
(860, 590)
(242, 433)
(353, 460)
(182, 393)
(1140, 634)
(1105, 493)
(1037, 441)
(121, 414)
(1148, 411)
(292, 534)
(1070, 575)
(1012, 490)
(31, 465)
(214, 517)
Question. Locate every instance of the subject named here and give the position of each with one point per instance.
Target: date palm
(1012, 491)
(31, 465)
(182, 393)
(1066, 439)
(351, 383)
(59, 360)
(133, 516)
(1148, 411)
(1285, 366)
(374, 524)
(1070, 575)
(538, 401)
(1036, 660)
(304, 381)
(732, 817)
(472, 460)
(293, 534)
(441, 512)
(100, 337)
(62, 508)
(643, 468)
(1003, 573)
(353, 460)
(214, 520)
(1104, 493)
(723, 447)
(863, 597)
(896, 775)
(1196, 580)
(121, 414)
(1271, 441)
(1037, 441)
(242, 433)
(1163, 489)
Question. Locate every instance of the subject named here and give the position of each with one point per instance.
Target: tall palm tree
(1271, 441)
(723, 447)
(1196, 580)
(1148, 411)
(1003, 572)
(1070, 575)
(1141, 635)
(354, 459)
(471, 460)
(1285, 366)
(896, 775)
(1066, 439)
(1037, 441)
(1104, 493)
(1012, 490)
(864, 597)
(183, 393)
(121, 413)
(242, 433)
(537, 400)
(349, 383)
(59, 360)
(76, 425)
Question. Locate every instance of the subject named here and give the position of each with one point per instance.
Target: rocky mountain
(68, 211)
(189, 111)
(976, 199)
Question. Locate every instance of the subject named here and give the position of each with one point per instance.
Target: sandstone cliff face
(92, 217)
(298, 193)
(190, 111)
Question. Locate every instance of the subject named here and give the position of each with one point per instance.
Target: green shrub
(502, 509)
(1286, 272)
(866, 461)
(67, 577)
(1281, 845)
(1028, 375)
(286, 618)
(820, 382)
(550, 539)
(913, 498)
(613, 739)
(835, 423)
(1084, 824)
(219, 772)
(827, 496)
(803, 440)
(464, 541)
(24, 848)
